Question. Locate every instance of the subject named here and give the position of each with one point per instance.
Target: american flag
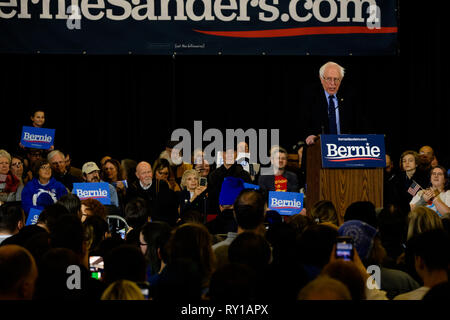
(413, 188)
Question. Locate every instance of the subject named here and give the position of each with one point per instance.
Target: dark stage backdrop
(127, 106)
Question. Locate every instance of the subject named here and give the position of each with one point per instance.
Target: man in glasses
(327, 112)
(57, 161)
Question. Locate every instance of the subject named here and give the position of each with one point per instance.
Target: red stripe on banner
(292, 32)
(353, 159)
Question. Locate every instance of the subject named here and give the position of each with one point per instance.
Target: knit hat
(231, 187)
(362, 234)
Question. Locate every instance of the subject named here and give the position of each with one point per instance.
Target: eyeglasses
(45, 168)
(331, 80)
(16, 164)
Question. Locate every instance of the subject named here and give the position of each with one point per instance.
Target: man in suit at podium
(327, 112)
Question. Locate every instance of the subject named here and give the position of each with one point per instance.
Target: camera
(344, 248)
(203, 181)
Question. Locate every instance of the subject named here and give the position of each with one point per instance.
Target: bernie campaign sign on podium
(33, 216)
(353, 151)
(286, 203)
(39, 138)
(93, 190)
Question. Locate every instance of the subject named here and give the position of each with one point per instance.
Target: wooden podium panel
(342, 186)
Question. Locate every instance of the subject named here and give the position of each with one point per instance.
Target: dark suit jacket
(314, 112)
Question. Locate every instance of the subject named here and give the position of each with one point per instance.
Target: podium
(342, 186)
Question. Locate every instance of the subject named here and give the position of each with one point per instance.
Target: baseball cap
(89, 167)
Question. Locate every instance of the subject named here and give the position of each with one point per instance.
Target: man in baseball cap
(91, 173)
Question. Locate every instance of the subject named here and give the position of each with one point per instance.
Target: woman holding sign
(43, 189)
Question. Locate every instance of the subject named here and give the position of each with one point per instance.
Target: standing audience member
(43, 190)
(18, 273)
(431, 250)
(112, 172)
(57, 161)
(164, 172)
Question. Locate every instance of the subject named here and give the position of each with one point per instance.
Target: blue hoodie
(35, 195)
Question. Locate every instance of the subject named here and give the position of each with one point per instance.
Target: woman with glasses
(437, 196)
(9, 183)
(43, 189)
(162, 170)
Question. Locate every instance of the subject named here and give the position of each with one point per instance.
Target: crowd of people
(199, 231)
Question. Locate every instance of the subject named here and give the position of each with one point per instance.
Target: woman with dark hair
(113, 173)
(163, 171)
(153, 238)
(437, 196)
(43, 190)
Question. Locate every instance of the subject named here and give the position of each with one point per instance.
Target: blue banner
(93, 190)
(255, 27)
(39, 138)
(353, 151)
(286, 203)
(33, 216)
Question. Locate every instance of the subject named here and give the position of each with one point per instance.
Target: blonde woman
(193, 196)
(123, 290)
(422, 219)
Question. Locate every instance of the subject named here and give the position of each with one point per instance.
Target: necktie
(332, 115)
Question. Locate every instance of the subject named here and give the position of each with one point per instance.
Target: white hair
(54, 153)
(329, 64)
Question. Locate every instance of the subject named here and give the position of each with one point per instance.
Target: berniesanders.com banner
(249, 27)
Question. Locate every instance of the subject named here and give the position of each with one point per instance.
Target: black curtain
(127, 106)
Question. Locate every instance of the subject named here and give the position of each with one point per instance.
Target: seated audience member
(437, 196)
(103, 161)
(253, 250)
(125, 262)
(201, 165)
(314, 247)
(300, 222)
(324, 288)
(9, 183)
(371, 252)
(349, 274)
(281, 179)
(249, 210)
(52, 283)
(161, 201)
(216, 178)
(18, 273)
(96, 230)
(426, 157)
(92, 207)
(72, 203)
(91, 173)
(12, 219)
(57, 161)
(233, 282)
(193, 196)
(164, 172)
(409, 173)
(420, 219)
(129, 168)
(112, 172)
(43, 190)
(75, 172)
(362, 211)
(31, 157)
(225, 221)
(122, 290)
(431, 250)
(18, 169)
(136, 215)
(192, 241)
(153, 238)
(243, 158)
(174, 156)
(324, 211)
(392, 230)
